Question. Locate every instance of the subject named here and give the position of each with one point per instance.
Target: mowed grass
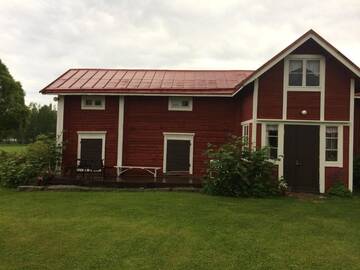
(12, 148)
(169, 230)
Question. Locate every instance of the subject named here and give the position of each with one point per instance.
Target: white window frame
(181, 137)
(340, 145)
(92, 135)
(304, 58)
(172, 108)
(245, 131)
(265, 141)
(92, 107)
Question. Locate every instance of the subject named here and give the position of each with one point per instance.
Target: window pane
(97, 102)
(273, 141)
(331, 144)
(273, 153)
(331, 155)
(312, 73)
(295, 72)
(88, 102)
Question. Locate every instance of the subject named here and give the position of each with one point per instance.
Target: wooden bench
(152, 170)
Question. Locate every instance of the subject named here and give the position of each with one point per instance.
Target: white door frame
(91, 135)
(181, 137)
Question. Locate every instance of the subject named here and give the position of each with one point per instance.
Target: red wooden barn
(300, 104)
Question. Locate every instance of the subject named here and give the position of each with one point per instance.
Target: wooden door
(178, 156)
(301, 157)
(91, 151)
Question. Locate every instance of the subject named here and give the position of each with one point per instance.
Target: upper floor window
(93, 103)
(304, 72)
(180, 104)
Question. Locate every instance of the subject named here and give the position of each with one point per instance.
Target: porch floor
(128, 181)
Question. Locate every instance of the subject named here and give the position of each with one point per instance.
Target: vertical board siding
(270, 93)
(298, 101)
(146, 118)
(76, 120)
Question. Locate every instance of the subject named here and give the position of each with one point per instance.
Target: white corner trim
(91, 135)
(182, 137)
(351, 134)
(60, 120)
(254, 113)
(322, 143)
(120, 132)
(281, 138)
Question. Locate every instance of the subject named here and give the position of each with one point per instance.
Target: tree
(41, 120)
(12, 106)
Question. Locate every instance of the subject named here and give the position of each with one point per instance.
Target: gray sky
(42, 39)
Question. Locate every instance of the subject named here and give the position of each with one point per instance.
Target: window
(304, 72)
(180, 104)
(272, 140)
(245, 133)
(331, 144)
(93, 103)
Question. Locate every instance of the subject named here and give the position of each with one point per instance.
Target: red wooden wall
(76, 120)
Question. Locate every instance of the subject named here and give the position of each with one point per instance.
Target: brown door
(91, 151)
(301, 157)
(178, 156)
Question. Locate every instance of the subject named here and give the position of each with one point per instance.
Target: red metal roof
(140, 81)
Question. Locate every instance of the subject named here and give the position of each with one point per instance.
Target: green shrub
(235, 170)
(339, 190)
(39, 161)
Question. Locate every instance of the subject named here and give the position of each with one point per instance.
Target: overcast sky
(42, 39)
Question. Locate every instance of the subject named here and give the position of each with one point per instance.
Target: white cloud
(42, 39)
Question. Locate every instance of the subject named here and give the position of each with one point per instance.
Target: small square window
(93, 103)
(304, 73)
(180, 104)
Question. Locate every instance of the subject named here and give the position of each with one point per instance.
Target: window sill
(336, 164)
(92, 108)
(304, 88)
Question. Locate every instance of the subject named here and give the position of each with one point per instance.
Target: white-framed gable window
(304, 72)
(93, 102)
(180, 104)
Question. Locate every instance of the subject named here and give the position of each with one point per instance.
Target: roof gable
(311, 34)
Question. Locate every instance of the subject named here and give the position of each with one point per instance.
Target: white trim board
(60, 119)
(92, 135)
(182, 137)
(351, 134)
(120, 140)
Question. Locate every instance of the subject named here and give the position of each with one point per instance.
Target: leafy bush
(236, 170)
(339, 190)
(38, 161)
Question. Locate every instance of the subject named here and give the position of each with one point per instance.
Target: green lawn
(169, 230)
(12, 147)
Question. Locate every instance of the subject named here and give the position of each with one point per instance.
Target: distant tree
(41, 120)
(12, 106)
